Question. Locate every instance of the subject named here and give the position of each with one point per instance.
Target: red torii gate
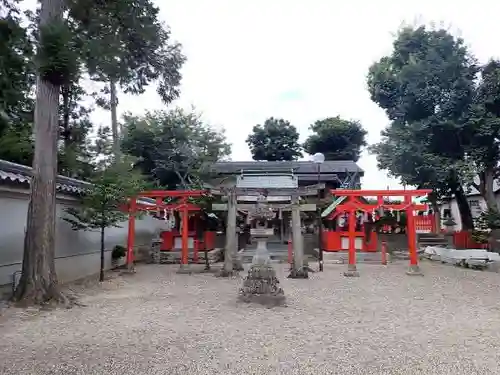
(159, 195)
(353, 204)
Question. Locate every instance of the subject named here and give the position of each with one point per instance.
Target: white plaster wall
(477, 204)
(77, 252)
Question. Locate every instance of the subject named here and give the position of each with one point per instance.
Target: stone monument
(261, 284)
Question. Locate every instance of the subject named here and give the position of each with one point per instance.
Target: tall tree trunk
(486, 182)
(65, 93)
(114, 119)
(436, 212)
(101, 270)
(464, 208)
(437, 217)
(64, 164)
(38, 283)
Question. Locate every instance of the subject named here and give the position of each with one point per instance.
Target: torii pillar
(233, 205)
(299, 271)
(232, 262)
(351, 266)
(184, 265)
(414, 268)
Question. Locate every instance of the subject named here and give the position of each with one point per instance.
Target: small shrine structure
(277, 190)
(167, 200)
(351, 203)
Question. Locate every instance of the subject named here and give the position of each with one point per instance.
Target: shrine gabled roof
(267, 181)
(298, 167)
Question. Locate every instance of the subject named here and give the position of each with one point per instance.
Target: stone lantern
(261, 285)
(449, 224)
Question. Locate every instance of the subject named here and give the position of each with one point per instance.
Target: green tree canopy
(125, 44)
(481, 132)
(173, 147)
(75, 127)
(17, 84)
(276, 140)
(336, 138)
(17, 78)
(425, 86)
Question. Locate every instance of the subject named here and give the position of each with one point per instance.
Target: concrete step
(431, 239)
(343, 257)
(277, 256)
(247, 257)
(174, 256)
(432, 242)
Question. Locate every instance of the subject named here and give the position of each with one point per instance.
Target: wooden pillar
(413, 269)
(185, 234)
(351, 266)
(184, 267)
(196, 248)
(131, 232)
(352, 239)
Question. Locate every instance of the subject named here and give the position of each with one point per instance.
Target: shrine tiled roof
(299, 167)
(17, 174)
(267, 181)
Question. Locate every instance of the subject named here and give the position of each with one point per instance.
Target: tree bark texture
(464, 209)
(114, 118)
(486, 187)
(101, 270)
(65, 133)
(436, 212)
(38, 283)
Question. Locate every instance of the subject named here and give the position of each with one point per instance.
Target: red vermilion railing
(425, 224)
(463, 240)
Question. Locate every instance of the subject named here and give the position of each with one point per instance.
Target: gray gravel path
(158, 322)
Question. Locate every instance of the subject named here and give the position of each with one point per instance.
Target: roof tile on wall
(21, 174)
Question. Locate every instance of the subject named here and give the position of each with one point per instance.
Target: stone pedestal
(262, 286)
(184, 269)
(414, 271)
(351, 271)
(238, 264)
(299, 273)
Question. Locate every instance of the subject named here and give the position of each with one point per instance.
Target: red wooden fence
(463, 240)
(332, 241)
(425, 223)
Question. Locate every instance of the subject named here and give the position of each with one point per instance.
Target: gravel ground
(158, 322)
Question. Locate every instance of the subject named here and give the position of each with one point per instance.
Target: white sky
(300, 60)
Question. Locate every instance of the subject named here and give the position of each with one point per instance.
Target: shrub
(118, 252)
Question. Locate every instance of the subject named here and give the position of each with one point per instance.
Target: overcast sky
(300, 60)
